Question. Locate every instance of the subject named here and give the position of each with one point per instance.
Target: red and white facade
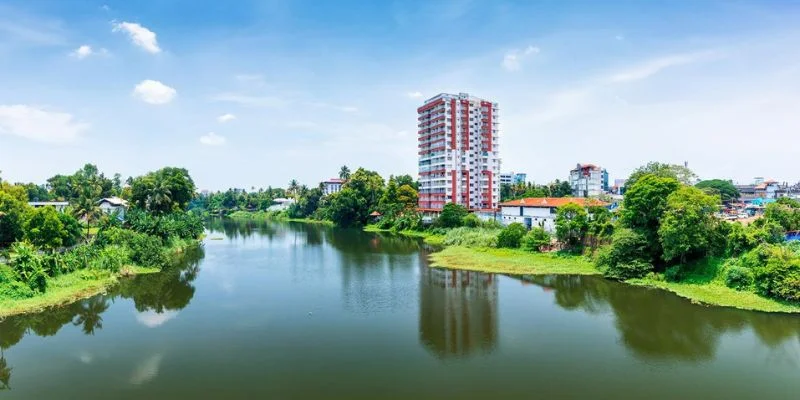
(459, 160)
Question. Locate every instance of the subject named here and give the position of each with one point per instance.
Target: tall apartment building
(588, 180)
(459, 160)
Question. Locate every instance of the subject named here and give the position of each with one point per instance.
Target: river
(297, 311)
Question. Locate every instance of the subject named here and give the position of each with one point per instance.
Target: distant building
(60, 206)
(540, 211)
(459, 159)
(619, 186)
(761, 189)
(110, 205)
(333, 185)
(511, 178)
(280, 204)
(588, 180)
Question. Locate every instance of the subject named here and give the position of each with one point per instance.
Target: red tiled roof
(552, 202)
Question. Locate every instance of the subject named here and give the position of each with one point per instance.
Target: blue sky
(255, 93)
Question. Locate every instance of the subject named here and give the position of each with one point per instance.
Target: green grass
(67, 289)
(263, 215)
(428, 237)
(512, 261)
(704, 283)
(81, 284)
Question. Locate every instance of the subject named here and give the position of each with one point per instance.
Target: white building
(512, 178)
(332, 185)
(110, 205)
(280, 204)
(588, 180)
(459, 158)
(60, 206)
(539, 211)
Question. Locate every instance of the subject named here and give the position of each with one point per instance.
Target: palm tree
(161, 197)
(5, 372)
(87, 210)
(344, 172)
(89, 314)
(293, 187)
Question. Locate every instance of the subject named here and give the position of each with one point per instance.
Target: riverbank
(275, 216)
(427, 237)
(706, 287)
(81, 284)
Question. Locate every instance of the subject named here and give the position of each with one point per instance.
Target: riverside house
(540, 211)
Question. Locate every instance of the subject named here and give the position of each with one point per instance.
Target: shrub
(385, 223)
(471, 221)
(111, 258)
(28, 266)
(778, 273)
(673, 273)
(623, 258)
(408, 222)
(738, 277)
(471, 237)
(535, 239)
(628, 270)
(146, 251)
(451, 216)
(511, 236)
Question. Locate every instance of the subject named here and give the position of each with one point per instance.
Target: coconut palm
(87, 210)
(293, 187)
(344, 172)
(161, 197)
(89, 314)
(5, 372)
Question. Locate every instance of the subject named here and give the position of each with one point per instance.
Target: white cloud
(139, 35)
(146, 370)
(226, 118)
(86, 51)
(38, 124)
(414, 95)
(152, 319)
(512, 61)
(154, 92)
(212, 139)
(652, 67)
(619, 37)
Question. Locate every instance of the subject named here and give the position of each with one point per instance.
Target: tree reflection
(458, 312)
(657, 325)
(89, 314)
(5, 372)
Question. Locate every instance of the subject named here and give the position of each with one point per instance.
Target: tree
(535, 239)
(626, 256)
(644, 205)
(724, 189)
(679, 172)
(572, 223)
(408, 197)
(44, 229)
(511, 236)
(344, 172)
(406, 180)
(560, 189)
(688, 224)
(389, 203)
(163, 191)
(87, 210)
(293, 187)
(346, 208)
(12, 213)
(452, 215)
(368, 185)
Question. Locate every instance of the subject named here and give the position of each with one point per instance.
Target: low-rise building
(333, 185)
(540, 211)
(60, 206)
(280, 204)
(110, 205)
(588, 180)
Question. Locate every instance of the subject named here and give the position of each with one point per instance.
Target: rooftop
(552, 202)
(334, 180)
(114, 201)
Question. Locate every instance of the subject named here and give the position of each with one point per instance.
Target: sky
(254, 93)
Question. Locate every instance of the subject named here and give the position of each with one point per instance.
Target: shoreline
(79, 285)
(261, 215)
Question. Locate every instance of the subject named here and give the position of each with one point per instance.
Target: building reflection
(458, 312)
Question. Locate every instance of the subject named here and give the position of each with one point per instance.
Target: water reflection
(159, 295)
(457, 312)
(656, 325)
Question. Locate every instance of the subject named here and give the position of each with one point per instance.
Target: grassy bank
(511, 261)
(704, 283)
(430, 238)
(81, 284)
(277, 216)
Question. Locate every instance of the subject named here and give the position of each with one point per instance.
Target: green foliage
(719, 187)
(783, 214)
(673, 273)
(572, 223)
(346, 208)
(163, 191)
(409, 221)
(471, 237)
(678, 172)
(644, 205)
(146, 251)
(28, 266)
(739, 278)
(535, 239)
(44, 227)
(777, 274)
(111, 258)
(511, 236)
(10, 287)
(625, 257)
(12, 214)
(178, 224)
(452, 216)
(688, 224)
(471, 221)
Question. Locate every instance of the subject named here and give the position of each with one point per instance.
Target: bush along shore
(51, 260)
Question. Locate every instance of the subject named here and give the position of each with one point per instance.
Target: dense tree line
(556, 188)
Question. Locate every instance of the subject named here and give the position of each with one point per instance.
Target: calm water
(288, 311)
